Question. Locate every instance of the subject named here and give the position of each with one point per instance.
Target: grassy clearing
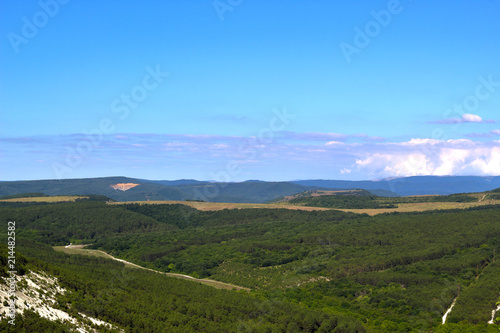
(58, 198)
(423, 206)
(79, 249)
(402, 208)
(209, 206)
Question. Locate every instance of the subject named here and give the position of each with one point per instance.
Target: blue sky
(239, 89)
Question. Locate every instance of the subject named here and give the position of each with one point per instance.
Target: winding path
(213, 283)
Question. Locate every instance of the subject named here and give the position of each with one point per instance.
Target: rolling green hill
(244, 192)
(396, 272)
(135, 300)
(417, 185)
(102, 186)
(251, 192)
(361, 199)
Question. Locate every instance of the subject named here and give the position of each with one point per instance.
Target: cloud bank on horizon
(295, 89)
(277, 156)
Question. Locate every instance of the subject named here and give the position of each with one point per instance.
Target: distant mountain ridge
(131, 189)
(253, 191)
(102, 186)
(417, 185)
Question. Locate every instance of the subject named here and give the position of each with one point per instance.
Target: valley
(294, 265)
(229, 166)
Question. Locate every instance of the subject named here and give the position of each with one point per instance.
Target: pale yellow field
(60, 198)
(210, 206)
(423, 206)
(405, 207)
(219, 205)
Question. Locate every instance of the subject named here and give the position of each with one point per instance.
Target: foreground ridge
(80, 248)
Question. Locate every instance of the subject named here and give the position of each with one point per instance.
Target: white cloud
(451, 161)
(466, 118)
(176, 144)
(219, 146)
(489, 163)
(334, 143)
(335, 137)
(190, 153)
(313, 136)
(471, 118)
(417, 141)
(395, 165)
(452, 157)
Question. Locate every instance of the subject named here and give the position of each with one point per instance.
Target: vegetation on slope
(342, 202)
(143, 301)
(23, 195)
(393, 272)
(361, 200)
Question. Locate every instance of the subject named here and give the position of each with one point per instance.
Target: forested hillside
(416, 185)
(140, 301)
(363, 200)
(333, 271)
(252, 192)
(239, 192)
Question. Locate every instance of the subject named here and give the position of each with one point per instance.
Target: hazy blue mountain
(253, 191)
(250, 191)
(145, 190)
(176, 182)
(418, 185)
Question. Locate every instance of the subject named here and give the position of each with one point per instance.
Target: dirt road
(79, 249)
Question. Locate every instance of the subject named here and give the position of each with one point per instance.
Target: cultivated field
(210, 206)
(402, 207)
(317, 193)
(423, 206)
(219, 205)
(57, 198)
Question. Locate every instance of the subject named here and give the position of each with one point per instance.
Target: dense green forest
(248, 191)
(333, 271)
(142, 301)
(24, 195)
(345, 201)
(256, 192)
(364, 200)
